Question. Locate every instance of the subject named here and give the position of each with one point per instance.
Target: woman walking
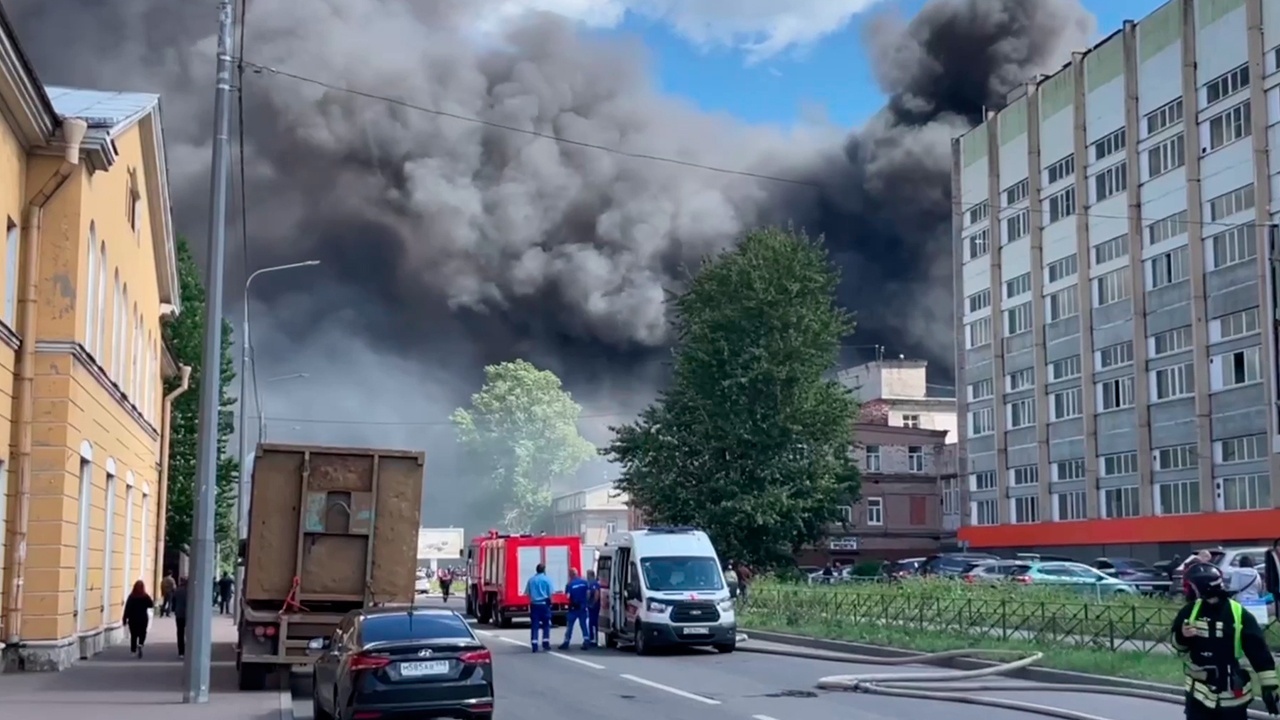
(137, 615)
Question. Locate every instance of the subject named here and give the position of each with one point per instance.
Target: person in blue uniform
(577, 590)
(593, 607)
(539, 591)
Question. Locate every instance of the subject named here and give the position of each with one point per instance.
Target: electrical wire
(412, 423)
(247, 341)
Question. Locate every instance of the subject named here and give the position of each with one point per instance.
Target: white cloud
(759, 28)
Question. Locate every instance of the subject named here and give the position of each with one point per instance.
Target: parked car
(1135, 572)
(900, 569)
(1040, 557)
(403, 661)
(1226, 559)
(990, 571)
(951, 564)
(1076, 576)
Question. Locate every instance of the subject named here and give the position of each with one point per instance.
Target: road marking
(668, 688)
(485, 633)
(513, 641)
(762, 717)
(580, 661)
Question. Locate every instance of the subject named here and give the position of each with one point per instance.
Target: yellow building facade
(87, 276)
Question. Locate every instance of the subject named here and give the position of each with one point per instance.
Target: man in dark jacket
(226, 588)
(180, 614)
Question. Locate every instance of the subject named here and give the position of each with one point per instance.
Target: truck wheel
(483, 614)
(642, 647)
(253, 676)
(469, 608)
(503, 620)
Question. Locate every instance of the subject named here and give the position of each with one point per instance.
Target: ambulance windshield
(681, 574)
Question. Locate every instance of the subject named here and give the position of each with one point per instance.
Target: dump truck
(331, 530)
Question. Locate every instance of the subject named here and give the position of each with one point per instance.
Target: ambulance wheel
(641, 647)
(610, 640)
(727, 648)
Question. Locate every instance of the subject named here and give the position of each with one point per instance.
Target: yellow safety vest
(1196, 675)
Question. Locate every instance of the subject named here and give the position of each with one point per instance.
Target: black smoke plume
(448, 244)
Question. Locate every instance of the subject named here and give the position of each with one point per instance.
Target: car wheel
(641, 645)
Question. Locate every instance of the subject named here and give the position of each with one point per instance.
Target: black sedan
(1135, 572)
(402, 662)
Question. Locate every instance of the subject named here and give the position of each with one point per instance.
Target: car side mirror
(317, 645)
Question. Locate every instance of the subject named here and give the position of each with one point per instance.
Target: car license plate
(696, 631)
(422, 669)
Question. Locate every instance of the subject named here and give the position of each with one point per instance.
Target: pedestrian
(1214, 634)
(744, 580)
(446, 582)
(593, 607)
(226, 589)
(166, 593)
(137, 615)
(1246, 583)
(579, 592)
(179, 603)
(539, 591)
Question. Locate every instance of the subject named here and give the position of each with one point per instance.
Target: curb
(1033, 674)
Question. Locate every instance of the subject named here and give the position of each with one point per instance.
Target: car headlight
(654, 606)
(726, 605)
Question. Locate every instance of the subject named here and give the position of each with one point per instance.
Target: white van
(664, 586)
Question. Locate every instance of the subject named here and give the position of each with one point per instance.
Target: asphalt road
(602, 684)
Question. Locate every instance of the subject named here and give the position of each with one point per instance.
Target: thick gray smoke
(449, 244)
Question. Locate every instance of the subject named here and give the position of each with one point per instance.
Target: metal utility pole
(199, 594)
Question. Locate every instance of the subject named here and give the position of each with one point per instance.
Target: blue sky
(832, 76)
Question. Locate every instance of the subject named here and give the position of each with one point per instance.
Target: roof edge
(30, 108)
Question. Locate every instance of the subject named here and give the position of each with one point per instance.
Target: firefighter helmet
(1204, 580)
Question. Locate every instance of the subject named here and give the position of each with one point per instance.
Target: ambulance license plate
(423, 669)
(696, 631)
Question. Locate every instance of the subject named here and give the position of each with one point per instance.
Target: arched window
(13, 255)
(109, 544)
(91, 295)
(100, 335)
(122, 336)
(148, 377)
(135, 350)
(85, 501)
(115, 324)
(129, 575)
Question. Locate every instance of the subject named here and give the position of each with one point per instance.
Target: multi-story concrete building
(89, 272)
(591, 514)
(1115, 271)
(900, 390)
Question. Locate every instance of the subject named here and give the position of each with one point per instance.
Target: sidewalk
(116, 685)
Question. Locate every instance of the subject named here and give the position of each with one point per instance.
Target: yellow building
(87, 274)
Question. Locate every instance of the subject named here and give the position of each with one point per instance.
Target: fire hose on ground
(959, 686)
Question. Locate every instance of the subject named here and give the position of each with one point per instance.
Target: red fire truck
(499, 566)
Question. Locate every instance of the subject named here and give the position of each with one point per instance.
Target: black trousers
(181, 624)
(137, 636)
(224, 605)
(1197, 710)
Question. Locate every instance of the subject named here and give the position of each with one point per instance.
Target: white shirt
(1246, 583)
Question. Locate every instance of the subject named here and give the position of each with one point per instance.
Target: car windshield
(681, 574)
(413, 626)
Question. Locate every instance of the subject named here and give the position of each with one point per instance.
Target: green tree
(751, 441)
(521, 435)
(184, 336)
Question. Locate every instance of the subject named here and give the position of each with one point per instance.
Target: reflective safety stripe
(1195, 674)
(1207, 696)
(1268, 678)
(1237, 623)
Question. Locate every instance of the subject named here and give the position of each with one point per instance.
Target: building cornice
(82, 356)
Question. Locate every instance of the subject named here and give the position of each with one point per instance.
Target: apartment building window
(1115, 394)
(1119, 464)
(1024, 475)
(1121, 502)
(1022, 413)
(1064, 369)
(1237, 324)
(1178, 498)
(875, 511)
(1065, 404)
(950, 497)
(1228, 204)
(1017, 192)
(980, 300)
(1020, 380)
(1068, 470)
(1226, 84)
(1109, 145)
(979, 332)
(981, 390)
(1164, 116)
(1174, 382)
(911, 420)
(1169, 268)
(979, 243)
(1017, 319)
(1246, 492)
(1060, 170)
(1113, 249)
(1178, 457)
(984, 480)
(1062, 205)
(1230, 126)
(1025, 509)
(1062, 269)
(1117, 355)
(982, 422)
(1070, 506)
(1020, 285)
(1171, 341)
(979, 212)
(1110, 182)
(1062, 304)
(610, 528)
(1240, 449)
(1167, 228)
(846, 514)
(1017, 226)
(1113, 287)
(985, 512)
(872, 461)
(1233, 246)
(915, 458)
(1167, 156)
(1239, 368)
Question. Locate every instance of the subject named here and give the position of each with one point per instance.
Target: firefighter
(1213, 634)
(593, 607)
(578, 591)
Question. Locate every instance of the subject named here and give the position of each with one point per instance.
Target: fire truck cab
(499, 566)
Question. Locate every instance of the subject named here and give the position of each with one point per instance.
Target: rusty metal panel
(360, 522)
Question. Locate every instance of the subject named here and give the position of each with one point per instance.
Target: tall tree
(751, 442)
(521, 435)
(184, 336)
